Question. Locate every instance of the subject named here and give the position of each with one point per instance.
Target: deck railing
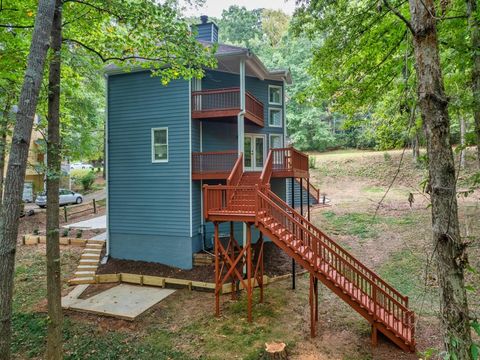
(213, 163)
(311, 189)
(289, 160)
(226, 102)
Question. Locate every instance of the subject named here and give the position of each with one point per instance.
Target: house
(166, 142)
(203, 160)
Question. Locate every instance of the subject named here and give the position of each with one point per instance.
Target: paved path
(99, 222)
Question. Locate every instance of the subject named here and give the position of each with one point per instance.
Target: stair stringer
(335, 289)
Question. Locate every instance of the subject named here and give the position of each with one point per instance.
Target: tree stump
(276, 351)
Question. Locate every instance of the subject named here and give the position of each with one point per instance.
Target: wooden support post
(316, 299)
(293, 206)
(94, 206)
(65, 213)
(312, 306)
(374, 335)
(308, 198)
(232, 251)
(218, 276)
(249, 271)
(301, 196)
(261, 268)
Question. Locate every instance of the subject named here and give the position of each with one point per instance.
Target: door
(254, 156)
(66, 197)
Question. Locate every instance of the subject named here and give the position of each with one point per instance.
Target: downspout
(107, 177)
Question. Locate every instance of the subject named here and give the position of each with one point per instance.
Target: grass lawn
(393, 239)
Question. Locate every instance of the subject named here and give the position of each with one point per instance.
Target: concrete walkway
(122, 301)
(99, 222)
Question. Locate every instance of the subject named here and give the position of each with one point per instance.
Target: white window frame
(281, 94)
(270, 117)
(153, 145)
(271, 142)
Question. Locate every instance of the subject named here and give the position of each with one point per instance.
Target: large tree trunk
(463, 130)
(449, 250)
(17, 166)
(3, 142)
(54, 286)
(475, 38)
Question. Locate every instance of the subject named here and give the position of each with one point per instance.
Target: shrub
(312, 163)
(387, 157)
(65, 232)
(36, 231)
(79, 234)
(87, 180)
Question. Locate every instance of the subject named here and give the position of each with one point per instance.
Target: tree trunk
(462, 141)
(449, 250)
(475, 38)
(3, 142)
(416, 147)
(17, 166)
(54, 287)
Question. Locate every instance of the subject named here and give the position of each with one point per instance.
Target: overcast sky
(214, 7)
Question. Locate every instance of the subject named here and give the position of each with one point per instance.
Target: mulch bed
(275, 262)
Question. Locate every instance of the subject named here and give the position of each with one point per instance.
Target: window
(275, 95)
(275, 141)
(160, 145)
(275, 117)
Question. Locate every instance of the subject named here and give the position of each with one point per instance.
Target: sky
(214, 7)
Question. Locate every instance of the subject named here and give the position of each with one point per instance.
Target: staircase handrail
(311, 189)
(407, 320)
(267, 170)
(334, 246)
(237, 172)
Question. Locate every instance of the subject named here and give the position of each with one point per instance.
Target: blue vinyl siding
(306, 194)
(149, 203)
(207, 32)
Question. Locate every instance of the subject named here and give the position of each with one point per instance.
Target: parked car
(66, 197)
(75, 166)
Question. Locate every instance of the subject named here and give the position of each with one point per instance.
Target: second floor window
(275, 117)
(160, 145)
(275, 95)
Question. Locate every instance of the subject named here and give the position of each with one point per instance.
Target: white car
(66, 197)
(76, 166)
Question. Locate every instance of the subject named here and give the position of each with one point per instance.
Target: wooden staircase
(378, 302)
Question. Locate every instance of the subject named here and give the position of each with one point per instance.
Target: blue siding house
(164, 143)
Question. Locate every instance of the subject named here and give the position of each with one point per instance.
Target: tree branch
(400, 16)
(16, 26)
(106, 59)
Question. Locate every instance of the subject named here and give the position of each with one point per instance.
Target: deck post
(316, 299)
(232, 251)
(308, 197)
(312, 306)
(293, 206)
(249, 271)
(261, 267)
(374, 335)
(241, 114)
(217, 269)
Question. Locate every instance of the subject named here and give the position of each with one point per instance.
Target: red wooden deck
(282, 163)
(250, 200)
(224, 103)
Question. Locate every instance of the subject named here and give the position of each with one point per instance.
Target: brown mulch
(276, 263)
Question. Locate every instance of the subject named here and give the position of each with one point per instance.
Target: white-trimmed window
(274, 95)
(275, 117)
(160, 145)
(276, 141)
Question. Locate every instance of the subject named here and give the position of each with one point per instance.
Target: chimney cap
(204, 19)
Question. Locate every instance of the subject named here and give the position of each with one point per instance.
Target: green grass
(405, 270)
(363, 225)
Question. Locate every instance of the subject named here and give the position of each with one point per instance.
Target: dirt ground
(393, 239)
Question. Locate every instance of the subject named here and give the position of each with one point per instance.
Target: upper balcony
(222, 103)
(281, 163)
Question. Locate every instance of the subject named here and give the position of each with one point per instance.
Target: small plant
(312, 162)
(87, 180)
(36, 231)
(79, 233)
(387, 157)
(65, 232)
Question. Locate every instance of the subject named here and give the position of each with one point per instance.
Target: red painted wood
(252, 201)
